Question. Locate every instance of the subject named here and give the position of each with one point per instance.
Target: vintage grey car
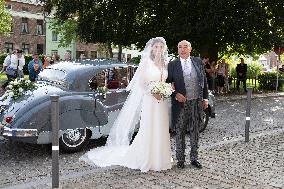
(91, 93)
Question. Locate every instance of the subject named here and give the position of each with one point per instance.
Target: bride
(150, 149)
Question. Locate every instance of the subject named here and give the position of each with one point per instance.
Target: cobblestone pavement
(228, 161)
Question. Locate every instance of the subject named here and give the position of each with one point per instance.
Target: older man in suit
(188, 100)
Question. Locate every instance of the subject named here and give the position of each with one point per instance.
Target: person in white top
(13, 66)
(17, 63)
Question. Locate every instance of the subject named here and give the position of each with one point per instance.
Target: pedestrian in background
(46, 61)
(67, 56)
(55, 59)
(209, 71)
(241, 70)
(222, 73)
(34, 67)
(7, 62)
(13, 66)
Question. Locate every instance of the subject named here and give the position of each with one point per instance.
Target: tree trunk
(109, 49)
(210, 51)
(213, 54)
(119, 53)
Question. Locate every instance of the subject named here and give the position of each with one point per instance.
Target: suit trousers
(244, 81)
(189, 117)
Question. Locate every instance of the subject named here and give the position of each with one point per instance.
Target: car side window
(117, 78)
(113, 78)
(97, 81)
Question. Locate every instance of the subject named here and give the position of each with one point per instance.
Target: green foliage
(136, 60)
(254, 69)
(5, 19)
(67, 31)
(214, 28)
(233, 72)
(2, 58)
(267, 81)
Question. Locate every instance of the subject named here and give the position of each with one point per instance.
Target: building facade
(28, 27)
(52, 42)
(32, 33)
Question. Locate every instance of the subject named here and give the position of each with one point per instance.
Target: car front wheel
(74, 140)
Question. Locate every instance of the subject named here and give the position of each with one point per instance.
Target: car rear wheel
(204, 121)
(74, 140)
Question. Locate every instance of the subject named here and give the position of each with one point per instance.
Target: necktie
(187, 67)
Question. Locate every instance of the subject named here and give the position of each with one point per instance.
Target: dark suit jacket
(241, 69)
(175, 75)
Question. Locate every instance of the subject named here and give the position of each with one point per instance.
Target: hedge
(268, 80)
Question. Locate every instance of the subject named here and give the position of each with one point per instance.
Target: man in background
(34, 67)
(241, 70)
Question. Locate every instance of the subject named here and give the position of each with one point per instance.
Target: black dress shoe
(196, 164)
(180, 165)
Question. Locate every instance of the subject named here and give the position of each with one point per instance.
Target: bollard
(55, 141)
(249, 93)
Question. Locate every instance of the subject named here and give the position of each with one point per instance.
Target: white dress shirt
(14, 62)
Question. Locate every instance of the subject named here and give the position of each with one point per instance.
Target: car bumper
(8, 132)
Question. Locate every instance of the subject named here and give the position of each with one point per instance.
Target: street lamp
(45, 14)
(278, 50)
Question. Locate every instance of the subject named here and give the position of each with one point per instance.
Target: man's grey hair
(185, 41)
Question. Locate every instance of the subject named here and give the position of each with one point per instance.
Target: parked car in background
(91, 93)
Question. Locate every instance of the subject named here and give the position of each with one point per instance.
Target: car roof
(75, 71)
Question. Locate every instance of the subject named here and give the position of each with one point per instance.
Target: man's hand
(173, 86)
(205, 103)
(180, 97)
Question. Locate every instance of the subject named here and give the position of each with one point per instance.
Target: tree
(5, 19)
(218, 27)
(109, 22)
(214, 27)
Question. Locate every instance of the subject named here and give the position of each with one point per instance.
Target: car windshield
(52, 75)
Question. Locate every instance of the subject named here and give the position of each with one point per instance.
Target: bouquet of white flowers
(17, 88)
(163, 89)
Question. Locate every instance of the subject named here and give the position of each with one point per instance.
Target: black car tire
(74, 140)
(205, 119)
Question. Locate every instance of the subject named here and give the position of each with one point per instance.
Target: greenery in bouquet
(163, 89)
(18, 87)
(102, 90)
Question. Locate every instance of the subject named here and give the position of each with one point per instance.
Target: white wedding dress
(150, 149)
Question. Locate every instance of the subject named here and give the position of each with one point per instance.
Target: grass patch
(3, 78)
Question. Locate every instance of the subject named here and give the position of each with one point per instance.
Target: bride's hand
(157, 96)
